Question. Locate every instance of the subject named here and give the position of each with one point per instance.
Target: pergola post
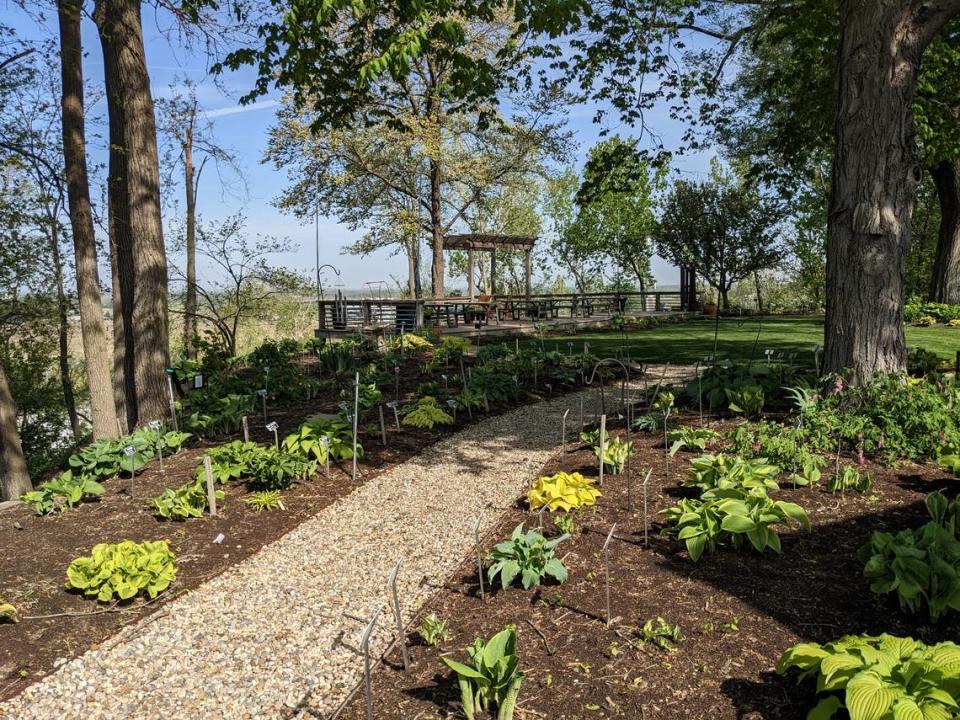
(493, 271)
(528, 272)
(470, 281)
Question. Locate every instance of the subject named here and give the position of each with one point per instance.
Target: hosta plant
(426, 413)
(690, 438)
(265, 500)
(615, 454)
(230, 461)
(747, 400)
(879, 678)
(63, 493)
(186, 501)
(8, 613)
(273, 469)
(723, 472)
(733, 515)
(491, 681)
(528, 555)
(664, 635)
(566, 524)
(433, 630)
(562, 491)
(123, 570)
(850, 479)
(320, 439)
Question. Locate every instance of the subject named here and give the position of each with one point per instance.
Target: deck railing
(345, 315)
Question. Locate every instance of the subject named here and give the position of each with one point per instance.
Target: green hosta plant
(850, 479)
(646, 423)
(879, 678)
(723, 472)
(566, 524)
(265, 500)
(230, 461)
(808, 476)
(562, 491)
(124, 570)
(492, 679)
(663, 403)
(273, 469)
(433, 630)
(733, 515)
(63, 493)
(690, 438)
(319, 438)
(661, 633)
(8, 613)
(747, 400)
(426, 413)
(186, 501)
(528, 555)
(591, 437)
(615, 454)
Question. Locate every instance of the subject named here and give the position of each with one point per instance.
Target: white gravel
(277, 635)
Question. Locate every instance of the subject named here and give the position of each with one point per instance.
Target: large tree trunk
(436, 223)
(875, 174)
(190, 300)
(95, 349)
(63, 331)
(410, 242)
(128, 85)
(945, 285)
(14, 479)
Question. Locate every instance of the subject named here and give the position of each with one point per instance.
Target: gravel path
(277, 634)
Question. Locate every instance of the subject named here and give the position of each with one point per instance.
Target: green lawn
(690, 341)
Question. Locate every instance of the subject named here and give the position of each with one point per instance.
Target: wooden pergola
(473, 242)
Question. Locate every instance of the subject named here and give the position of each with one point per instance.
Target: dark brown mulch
(737, 611)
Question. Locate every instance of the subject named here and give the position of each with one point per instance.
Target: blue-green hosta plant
(63, 493)
(723, 472)
(690, 438)
(426, 413)
(492, 679)
(528, 555)
(735, 516)
(317, 439)
(615, 454)
(879, 678)
(747, 400)
(230, 461)
(124, 570)
(186, 501)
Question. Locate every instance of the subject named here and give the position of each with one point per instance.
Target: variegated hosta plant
(527, 554)
(615, 454)
(724, 472)
(562, 491)
(879, 678)
(492, 679)
(125, 569)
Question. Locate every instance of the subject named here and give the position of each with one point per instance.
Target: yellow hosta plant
(563, 491)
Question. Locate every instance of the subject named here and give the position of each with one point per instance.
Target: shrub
(690, 438)
(186, 501)
(562, 491)
(529, 555)
(125, 569)
(426, 413)
(63, 493)
(433, 630)
(876, 678)
(492, 679)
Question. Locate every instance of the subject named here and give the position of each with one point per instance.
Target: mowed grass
(690, 341)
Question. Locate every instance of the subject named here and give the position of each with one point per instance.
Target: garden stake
(486, 402)
(129, 451)
(396, 415)
(262, 392)
(581, 413)
(540, 516)
(446, 384)
(646, 480)
(266, 378)
(606, 562)
(246, 428)
(816, 358)
(452, 404)
(383, 426)
(534, 374)
(402, 341)
(517, 346)
(173, 402)
(396, 374)
(211, 492)
(700, 392)
(402, 637)
(365, 648)
(476, 537)
(356, 408)
(463, 375)
(273, 427)
(325, 443)
(563, 432)
(155, 425)
(569, 348)
(603, 443)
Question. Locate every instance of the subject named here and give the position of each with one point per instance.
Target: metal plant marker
(646, 536)
(262, 392)
(273, 427)
(325, 444)
(130, 451)
(356, 407)
(540, 512)
(476, 538)
(211, 491)
(446, 383)
(173, 402)
(155, 425)
(365, 649)
(396, 415)
(396, 383)
(603, 443)
(395, 599)
(452, 404)
(246, 428)
(563, 432)
(383, 427)
(606, 562)
(581, 412)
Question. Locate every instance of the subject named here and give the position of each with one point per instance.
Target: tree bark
(14, 479)
(945, 284)
(875, 172)
(436, 223)
(190, 299)
(128, 88)
(95, 350)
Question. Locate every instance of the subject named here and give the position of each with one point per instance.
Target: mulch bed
(737, 611)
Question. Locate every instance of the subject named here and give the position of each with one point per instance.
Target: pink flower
(756, 447)
(838, 384)
(860, 459)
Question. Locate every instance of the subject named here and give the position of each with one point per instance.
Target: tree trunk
(411, 265)
(95, 350)
(190, 300)
(14, 479)
(945, 285)
(725, 298)
(759, 290)
(128, 87)
(875, 173)
(63, 332)
(436, 223)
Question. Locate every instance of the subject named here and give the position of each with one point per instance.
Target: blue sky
(244, 129)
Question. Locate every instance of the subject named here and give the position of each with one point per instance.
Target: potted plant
(710, 307)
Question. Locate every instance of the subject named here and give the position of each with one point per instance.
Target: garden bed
(737, 611)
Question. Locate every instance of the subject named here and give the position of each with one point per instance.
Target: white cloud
(237, 109)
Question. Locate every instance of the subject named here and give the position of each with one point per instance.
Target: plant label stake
(383, 426)
(769, 354)
(476, 539)
(211, 492)
(603, 443)
(273, 427)
(569, 348)
(365, 649)
(606, 562)
(446, 383)
(817, 349)
(563, 431)
(403, 341)
(401, 636)
(173, 402)
(396, 383)
(246, 428)
(452, 404)
(463, 375)
(517, 345)
(155, 426)
(356, 407)
(534, 374)
(262, 392)
(266, 377)
(325, 444)
(396, 415)
(540, 515)
(581, 413)
(646, 537)
(130, 451)
(486, 402)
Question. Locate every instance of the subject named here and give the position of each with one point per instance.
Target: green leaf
(868, 697)
(825, 709)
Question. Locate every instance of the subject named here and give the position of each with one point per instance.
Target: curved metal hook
(623, 388)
